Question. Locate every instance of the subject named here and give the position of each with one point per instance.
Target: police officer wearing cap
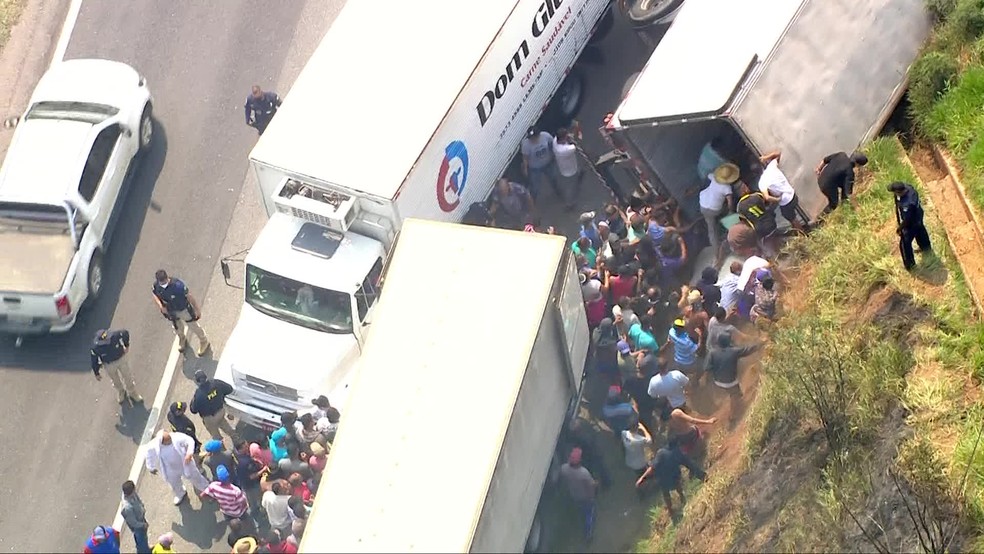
(260, 108)
(179, 307)
(209, 404)
(109, 348)
(909, 216)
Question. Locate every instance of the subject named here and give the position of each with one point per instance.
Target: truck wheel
(642, 13)
(95, 278)
(146, 128)
(604, 26)
(537, 539)
(570, 95)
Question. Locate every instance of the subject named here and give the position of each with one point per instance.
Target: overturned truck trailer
(807, 77)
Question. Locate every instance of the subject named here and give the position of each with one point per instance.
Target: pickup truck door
(101, 180)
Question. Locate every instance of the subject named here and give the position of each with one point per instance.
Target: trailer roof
(413, 460)
(376, 89)
(700, 62)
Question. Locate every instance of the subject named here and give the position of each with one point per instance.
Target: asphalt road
(67, 446)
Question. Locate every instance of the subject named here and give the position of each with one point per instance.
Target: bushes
(965, 22)
(941, 9)
(929, 78)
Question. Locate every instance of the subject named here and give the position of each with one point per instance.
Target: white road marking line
(152, 420)
(66, 32)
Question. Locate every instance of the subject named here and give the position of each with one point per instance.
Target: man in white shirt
(715, 201)
(730, 291)
(565, 154)
(774, 184)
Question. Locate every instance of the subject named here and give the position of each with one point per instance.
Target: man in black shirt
(835, 176)
(177, 305)
(209, 403)
(108, 351)
(638, 389)
(260, 108)
(909, 216)
(757, 210)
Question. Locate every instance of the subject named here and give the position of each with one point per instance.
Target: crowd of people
(264, 488)
(659, 337)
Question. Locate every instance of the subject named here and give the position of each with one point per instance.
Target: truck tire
(642, 13)
(94, 279)
(537, 539)
(146, 136)
(570, 96)
(604, 26)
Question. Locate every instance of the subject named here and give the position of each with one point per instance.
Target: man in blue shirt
(178, 305)
(684, 350)
(260, 108)
(909, 216)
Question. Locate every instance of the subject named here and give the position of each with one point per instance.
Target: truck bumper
(252, 415)
(35, 325)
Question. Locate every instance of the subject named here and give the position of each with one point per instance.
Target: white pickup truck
(61, 190)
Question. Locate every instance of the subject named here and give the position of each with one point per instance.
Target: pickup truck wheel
(146, 128)
(95, 278)
(643, 13)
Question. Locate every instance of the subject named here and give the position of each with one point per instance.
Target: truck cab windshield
(298, 303)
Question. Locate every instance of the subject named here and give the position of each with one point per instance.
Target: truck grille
(272, 389)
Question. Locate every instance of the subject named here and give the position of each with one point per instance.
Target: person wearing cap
(215, 455)
(178, 420)
(173, 455)
(328, 425)
(773, 183)
(231, 499)
(260, 108)
(178, 306)
(135, 515)
(538, 161)
(582, 487)
(588, 229)
(318, 458)
(103, 540)
(209, 403)
(669, 384)
(684, 349)
(165, 544)
(835, 177)
(909, 216)
(109, 351)
(245, 545)
(715, 201)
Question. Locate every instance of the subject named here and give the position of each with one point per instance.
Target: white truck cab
(309, 288)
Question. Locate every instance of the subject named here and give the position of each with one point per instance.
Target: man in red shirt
(231, 499)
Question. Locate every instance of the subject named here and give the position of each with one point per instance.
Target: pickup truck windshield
(298, 303)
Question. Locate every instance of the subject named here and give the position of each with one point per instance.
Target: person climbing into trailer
(909, 217)
(773, 183)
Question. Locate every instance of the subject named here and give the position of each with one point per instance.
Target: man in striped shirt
(231, 499)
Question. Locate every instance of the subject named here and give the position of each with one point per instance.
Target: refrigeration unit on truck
(463, 391)
(409, 110)
(806, 77)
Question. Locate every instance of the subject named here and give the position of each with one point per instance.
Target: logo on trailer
(453, 176)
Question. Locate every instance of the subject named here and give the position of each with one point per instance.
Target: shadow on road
(132, 420)
(70, 351)
(190, 363)
(201, 527)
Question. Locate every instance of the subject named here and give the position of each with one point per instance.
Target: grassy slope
(916, 357)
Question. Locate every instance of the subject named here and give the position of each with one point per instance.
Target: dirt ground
(623, 520)
(961, 231)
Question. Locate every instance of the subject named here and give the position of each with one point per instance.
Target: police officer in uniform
(909, 216)
(260, 108)
(108, 352)
(209, 403)
(178, 305)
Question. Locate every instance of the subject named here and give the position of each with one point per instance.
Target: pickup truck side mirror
(127, 132)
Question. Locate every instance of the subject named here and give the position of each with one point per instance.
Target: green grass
(924, 364)
(10, 11)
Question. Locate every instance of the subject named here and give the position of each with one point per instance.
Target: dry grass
(10, 11)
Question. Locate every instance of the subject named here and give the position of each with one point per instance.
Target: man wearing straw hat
(715, 201)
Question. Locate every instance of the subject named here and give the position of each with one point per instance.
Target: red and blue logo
(452, 177)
